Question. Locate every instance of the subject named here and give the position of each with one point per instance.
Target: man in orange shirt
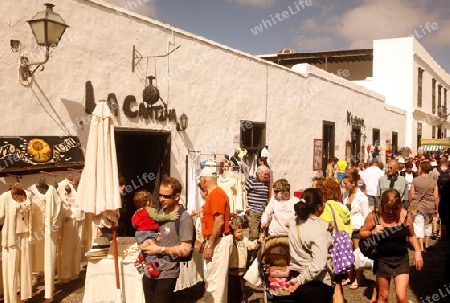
(215, 228)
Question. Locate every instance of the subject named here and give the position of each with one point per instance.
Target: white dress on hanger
(16, 270)
(68, 267)
(227, 183)
(52, 224)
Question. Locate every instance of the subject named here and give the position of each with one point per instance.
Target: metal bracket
(137, 57)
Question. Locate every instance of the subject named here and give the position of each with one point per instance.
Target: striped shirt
(257, 194)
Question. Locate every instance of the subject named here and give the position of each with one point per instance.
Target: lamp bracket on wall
(47, 27)
(137, 57)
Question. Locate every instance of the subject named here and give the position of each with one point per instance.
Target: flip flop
(345, 282)
(353, 286)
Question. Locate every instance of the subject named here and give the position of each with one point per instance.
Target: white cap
(434, 164)
(401, 161)
(209, 169)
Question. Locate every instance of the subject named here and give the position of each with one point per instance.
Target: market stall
(434, 145)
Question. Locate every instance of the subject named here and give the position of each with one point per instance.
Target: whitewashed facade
(397, 65)
(217, 87)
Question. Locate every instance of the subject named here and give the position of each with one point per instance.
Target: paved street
(427, 282)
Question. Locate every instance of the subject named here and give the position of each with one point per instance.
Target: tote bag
(342, 256)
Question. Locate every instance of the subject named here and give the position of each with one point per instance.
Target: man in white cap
(434, 173)
(216, 229)
(401, 165)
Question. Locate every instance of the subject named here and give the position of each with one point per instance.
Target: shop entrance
(356, 146)
(328, 144)
(143, 159)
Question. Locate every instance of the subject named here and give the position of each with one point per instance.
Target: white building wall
(395, 73)
(214, 85)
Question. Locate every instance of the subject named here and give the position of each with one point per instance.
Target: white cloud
(379, 19)
(142, 7)
(369, 20)
(257, 3)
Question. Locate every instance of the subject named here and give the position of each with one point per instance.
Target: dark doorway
(328, 143)
(143, 159)
(356, 146)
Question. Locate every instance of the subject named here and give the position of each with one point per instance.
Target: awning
(434, 145)
(431, 148)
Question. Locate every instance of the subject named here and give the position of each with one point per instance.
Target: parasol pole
(116, 265)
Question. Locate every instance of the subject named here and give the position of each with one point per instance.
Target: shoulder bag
(369, 246)
(414, 204)
(342, 256)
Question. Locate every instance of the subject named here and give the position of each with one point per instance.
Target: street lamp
(183, 124)
(48, 28)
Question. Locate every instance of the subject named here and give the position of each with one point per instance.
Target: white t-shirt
(409, 178)
(371, 176)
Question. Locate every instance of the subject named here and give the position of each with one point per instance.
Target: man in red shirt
(215, 228)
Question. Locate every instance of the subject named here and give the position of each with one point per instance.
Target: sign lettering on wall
(354, 121)
(144, 110)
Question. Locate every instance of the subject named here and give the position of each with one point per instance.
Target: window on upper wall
(433, 96)
(433, 132)
(439, 101)
(445, 98)
(375, 136)
(253, 135)
(419, 134)
(419, 87)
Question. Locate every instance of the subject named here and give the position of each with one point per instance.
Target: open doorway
(143, 160)
(328, 143)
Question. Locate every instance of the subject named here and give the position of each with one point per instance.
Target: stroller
(274, 260)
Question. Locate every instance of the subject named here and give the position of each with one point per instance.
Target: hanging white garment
(194, 200)
(228, 183)
(265, 153)
(69, 250)
(52, 224)
(241, 196)
(37, 235)
(16, 265)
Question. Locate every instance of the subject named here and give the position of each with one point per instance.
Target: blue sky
(305, 26)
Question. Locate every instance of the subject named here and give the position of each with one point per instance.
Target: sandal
(353, 286)
(345, 282)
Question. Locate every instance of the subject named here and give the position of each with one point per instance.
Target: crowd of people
(350, 202)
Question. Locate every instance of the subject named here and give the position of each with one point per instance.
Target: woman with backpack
(331, 191)
(392, 260)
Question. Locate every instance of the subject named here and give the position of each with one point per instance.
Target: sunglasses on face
(166, 196)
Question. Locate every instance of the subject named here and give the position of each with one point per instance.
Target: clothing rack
(222, 166)
(47, 173)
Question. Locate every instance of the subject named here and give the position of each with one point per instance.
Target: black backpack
(188, 258)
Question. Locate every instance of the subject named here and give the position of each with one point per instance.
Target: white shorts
(422, 224)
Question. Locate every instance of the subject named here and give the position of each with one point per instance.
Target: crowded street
(423, 283)
(228, 151)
